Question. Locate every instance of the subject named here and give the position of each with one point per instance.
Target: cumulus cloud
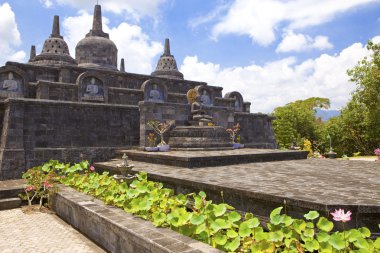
(279, 82)
(135, 9)
(132, 43)
(300, 42)
(260, 20)
(10, 36)
(47, 3)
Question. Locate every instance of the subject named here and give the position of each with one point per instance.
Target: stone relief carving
(93, 89)
(10, 82)
(154, 91)
(155, 94)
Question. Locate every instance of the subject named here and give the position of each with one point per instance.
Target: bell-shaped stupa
(167, 66)
(55, 51)
(96, 50)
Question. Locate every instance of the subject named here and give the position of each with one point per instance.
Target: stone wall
(161, 112)
(35, 131)
(256, 130)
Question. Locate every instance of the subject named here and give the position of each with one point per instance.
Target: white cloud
(47, 3)
(280, 82)
(133, 44)
(261, 19)
(131, 8)
(300, 42)
(10, 36)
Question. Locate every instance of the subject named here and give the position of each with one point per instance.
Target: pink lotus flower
(377, 151)
(30, 188)
(339, 215)
(47, 185)
(92, 168)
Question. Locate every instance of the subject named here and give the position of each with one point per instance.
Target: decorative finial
(32, 52)
(55, 31)
(97, 22)
(167, 47)
(122, 66)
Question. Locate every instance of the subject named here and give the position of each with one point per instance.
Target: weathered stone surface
(117, 231)
(208, 158)
(188, 137)
(41, 232)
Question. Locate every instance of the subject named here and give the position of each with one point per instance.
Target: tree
(362, 114)
(297, 121)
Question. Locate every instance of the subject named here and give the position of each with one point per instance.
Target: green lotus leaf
(202, 194)
(287, 221)
(309, 232)
(353, 235)
(219, 210)
(311, 215)
(299, 226)
(244, 229)
(312, 245)
(325, 247)
(276, 219)
(200, 228)
(248, 216)
(276, 211)
(325, 225)
(234, 216)
(142, 176)
(337, 241)
(365, 232)
(220, 239)
(158, 218)
(323, 237)
(276, 236)
(231, 233)
(362, 244)
(197, 219)
(253, 222)
(376, 244)
(233, 245)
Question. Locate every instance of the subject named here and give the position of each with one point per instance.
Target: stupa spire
(97, 21)
(97, 27)
(55, 30)
(167, 66)
(32, 52)
(167, 47)
(122, 66)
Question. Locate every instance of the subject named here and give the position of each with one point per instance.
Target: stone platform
(298, 185)
(210, 158)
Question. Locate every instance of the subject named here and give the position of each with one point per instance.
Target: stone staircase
(9, 191)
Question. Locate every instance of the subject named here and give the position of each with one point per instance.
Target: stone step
(11, 188)
(10, 203)
(202, 158)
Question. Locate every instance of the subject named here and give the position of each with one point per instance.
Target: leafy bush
(216, 224)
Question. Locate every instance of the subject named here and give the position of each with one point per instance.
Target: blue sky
(273, 52)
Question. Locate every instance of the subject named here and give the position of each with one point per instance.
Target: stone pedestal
(199, 137)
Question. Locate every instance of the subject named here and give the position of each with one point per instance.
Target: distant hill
(326, 114)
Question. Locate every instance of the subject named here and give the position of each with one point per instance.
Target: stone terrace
(302, 184)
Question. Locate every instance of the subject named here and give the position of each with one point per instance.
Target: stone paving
(40, 232)
(326, 181)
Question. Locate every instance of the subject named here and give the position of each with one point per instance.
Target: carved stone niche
(239, 103)
(154, 91)
(92, 87)
(206, 95)
(13, 82)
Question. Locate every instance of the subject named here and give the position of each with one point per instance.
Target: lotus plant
(340, 215)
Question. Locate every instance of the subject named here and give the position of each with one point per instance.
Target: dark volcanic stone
(199, 137)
